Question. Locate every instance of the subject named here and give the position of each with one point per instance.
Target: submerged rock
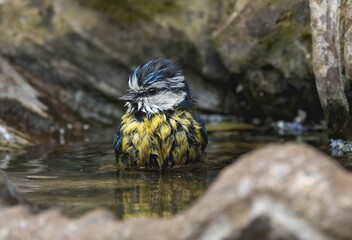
(9, 195)
(285, 191)
(64, 63)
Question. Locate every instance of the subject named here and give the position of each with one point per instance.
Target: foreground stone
(286, 191)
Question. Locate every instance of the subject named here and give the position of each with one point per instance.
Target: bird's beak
(130, 96)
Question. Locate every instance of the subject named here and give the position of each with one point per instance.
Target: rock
(10, 138)
(9, 195)
(64, 63)
(271, 33)
(195, 34)
(285, 191)
(332, 34)
(267, 46)
(279, 191)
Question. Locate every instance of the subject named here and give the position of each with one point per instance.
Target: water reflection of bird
(148, 194)
(161, 127)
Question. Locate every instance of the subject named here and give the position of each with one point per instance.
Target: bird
(161, 127)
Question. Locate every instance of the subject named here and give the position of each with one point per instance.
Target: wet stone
(9, 195)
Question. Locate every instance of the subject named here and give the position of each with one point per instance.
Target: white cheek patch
(162, 102)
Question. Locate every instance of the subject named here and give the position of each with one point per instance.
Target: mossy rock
(127, 12)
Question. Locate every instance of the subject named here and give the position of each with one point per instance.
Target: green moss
(228, 126)
(286, 32)
(131, 11)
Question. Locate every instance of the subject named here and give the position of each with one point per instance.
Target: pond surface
(78, 177)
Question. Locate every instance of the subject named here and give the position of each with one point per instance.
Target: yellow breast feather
(161, 138)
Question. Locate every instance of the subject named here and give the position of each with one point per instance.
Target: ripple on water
(78, 177)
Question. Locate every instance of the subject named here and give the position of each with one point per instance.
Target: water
(78, 177)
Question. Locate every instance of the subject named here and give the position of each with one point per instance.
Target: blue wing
(204, 135)
(203, 130)
(118, 140)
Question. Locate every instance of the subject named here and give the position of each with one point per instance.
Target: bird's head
(156, 87)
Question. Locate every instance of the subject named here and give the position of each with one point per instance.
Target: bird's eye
(151, 91)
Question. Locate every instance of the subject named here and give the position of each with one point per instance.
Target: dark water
(78, 177)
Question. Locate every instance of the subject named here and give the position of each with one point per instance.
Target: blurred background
(64, 63)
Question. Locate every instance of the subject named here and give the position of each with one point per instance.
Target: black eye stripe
(154, 90)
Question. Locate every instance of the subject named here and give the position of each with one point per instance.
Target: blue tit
(161, 127)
